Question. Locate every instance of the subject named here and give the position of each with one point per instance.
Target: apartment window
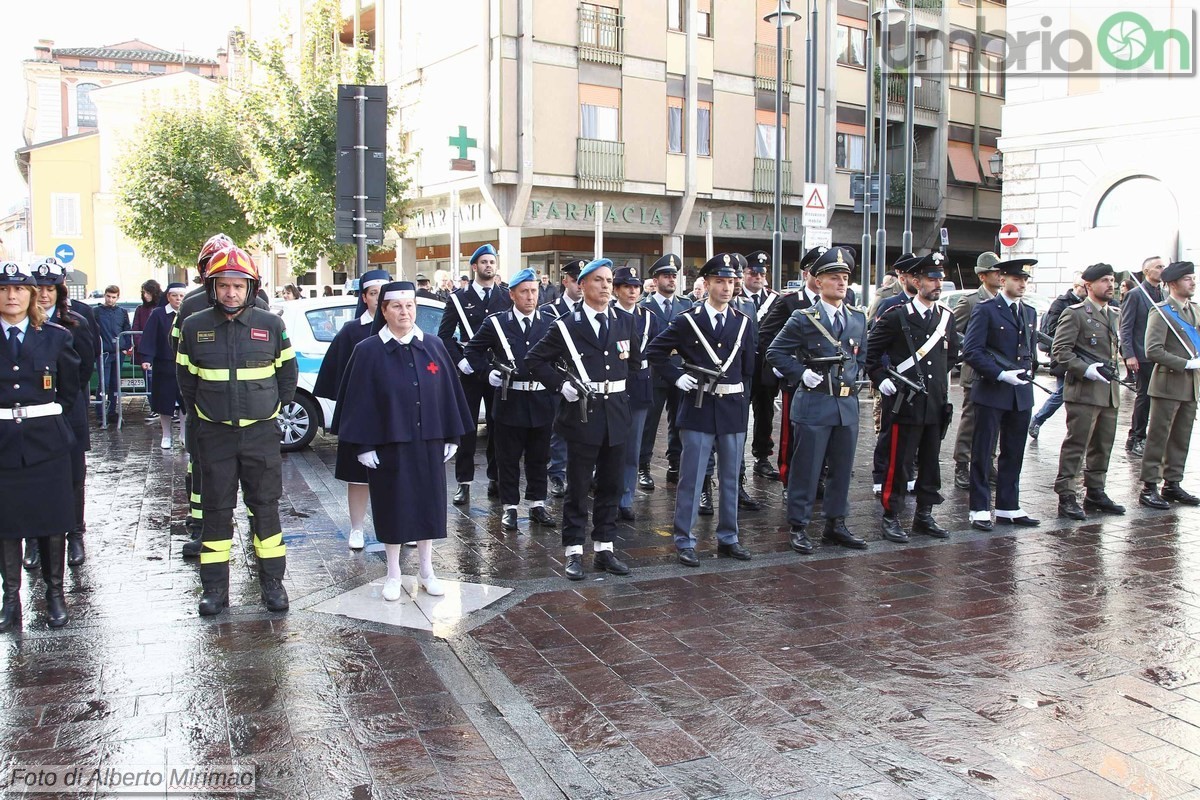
(158, 67)
(851, 46)
(704, 129)
(124, 66)
(703, 18)
(850, 151)
(960, 67)
(598, 26)
(599, 113)
(675, 15)
(991, 76)
(764, 134)
(87, 63)
(675, 125)
(85, 109)
(64, 219)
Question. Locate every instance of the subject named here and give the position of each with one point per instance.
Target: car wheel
(297, 423)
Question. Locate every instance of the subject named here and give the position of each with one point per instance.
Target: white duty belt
(930, 343)
(766, 304)
(722, 366)
(462, 315)
(580, 371)
(606, 387)
(19, 413)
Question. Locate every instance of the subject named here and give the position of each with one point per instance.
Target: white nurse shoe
(392, 589)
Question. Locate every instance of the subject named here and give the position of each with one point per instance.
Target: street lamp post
(782, 16)
(910, 37)
(890, 14)
(864, 257)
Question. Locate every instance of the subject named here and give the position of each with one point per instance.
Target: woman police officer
(40, 386)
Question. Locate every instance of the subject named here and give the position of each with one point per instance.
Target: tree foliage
(173, 187)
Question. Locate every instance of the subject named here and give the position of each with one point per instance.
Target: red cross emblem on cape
(431, 368)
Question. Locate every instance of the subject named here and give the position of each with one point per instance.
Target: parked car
(311, 325)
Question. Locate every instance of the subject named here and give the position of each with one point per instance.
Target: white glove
(448, 451)
(778, 374)
(1193, 363)
(369, 459)
(465, 367)
(495, 378)
(1011, 377)
(887, 387)
(1093, 373)
(569, 392)
(811, 379)
(686, 382)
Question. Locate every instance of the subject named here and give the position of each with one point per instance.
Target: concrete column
(406, 259)
(672, 244)
(508, 245)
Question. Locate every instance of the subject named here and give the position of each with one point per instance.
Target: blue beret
(521, 277)
(592, 266)
(482, 250)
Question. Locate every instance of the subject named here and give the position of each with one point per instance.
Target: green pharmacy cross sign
(462, 142)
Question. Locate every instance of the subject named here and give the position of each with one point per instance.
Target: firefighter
(236, 369)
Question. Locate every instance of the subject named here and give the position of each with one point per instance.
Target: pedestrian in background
(113, 321)
(1135, 311)
(152, 298)
(1054, 402)
(158, 359)
(290, 292)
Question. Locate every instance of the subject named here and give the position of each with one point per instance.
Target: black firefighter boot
(75, 553)
(215, 580)
(10, 571)
(270, 578)
(54, 563)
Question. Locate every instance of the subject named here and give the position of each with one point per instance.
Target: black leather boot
(10, 571)
(923, 522)
(192, 547)
(215, 580)
(706, 503)
(32, 557)
(270, 579)
(1068, 506)
(54, 563)
(892, 530)
(836, 532)
(75, 552)
(745, 501)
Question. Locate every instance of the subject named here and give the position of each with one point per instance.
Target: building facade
(658, 116)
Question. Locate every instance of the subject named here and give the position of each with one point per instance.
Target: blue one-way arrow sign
(65, 253)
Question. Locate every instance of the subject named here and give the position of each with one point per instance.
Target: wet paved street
(1059, 662)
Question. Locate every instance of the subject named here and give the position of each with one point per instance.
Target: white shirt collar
(531, 316)
(22, 326)
(479, 290)
(662, 299)
(385, 333)
(813, 297)
(831, 310)
(591, 312)
(712, 313)
(366, 318)
(920, 306)
(1006, 299)
(168, 310)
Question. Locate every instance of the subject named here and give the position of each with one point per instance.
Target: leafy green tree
(174, 186)
(289, 117)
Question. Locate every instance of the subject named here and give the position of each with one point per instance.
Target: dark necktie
(758, 301)
(719, 328)
(667, 309)
(525, 325)
(14, 343)
(487, 294)
(837, 324)
(1015, 312)
(602, 335)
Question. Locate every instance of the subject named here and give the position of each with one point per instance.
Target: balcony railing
(764, 66)
(764, 179)
(601, 34)
(926, 13)
(600, 165)
(927, 95)
(925, 195)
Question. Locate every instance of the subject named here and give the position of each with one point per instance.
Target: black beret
(668, 263)
(835, 259)
(1177, 270)
(1097, 271)
(722, 265)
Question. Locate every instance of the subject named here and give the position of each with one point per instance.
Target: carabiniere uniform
(601, 362)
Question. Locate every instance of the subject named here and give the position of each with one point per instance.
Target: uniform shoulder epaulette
(1078, 305)
(496, 313)
(52, 324)
(860, 309)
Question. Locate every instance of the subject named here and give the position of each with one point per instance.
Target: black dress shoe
(493, 489)
(558, 487)
(645, 479)
(75, 552)
(1024, 521)
(508, 520)
(836, 532)
(891, 530)
(923, 522)
(1139, 448)
(1150, 498)
(607, 561)
(1099, 500)
(32, 559)
(626, 514)
(540, 515)
(982, 524)
(962, 476)
(574, 567)
(673, 474)
(706, 503)
(687, 557)
(1068, 506)
(1173, 491)
(800, 541)
(765, 469)
(734, 550)
(746, 502)
(463, 495)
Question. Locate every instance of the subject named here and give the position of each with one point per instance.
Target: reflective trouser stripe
(216, 551)
(271, 547)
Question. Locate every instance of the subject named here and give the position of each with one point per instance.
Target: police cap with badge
(1096, 272)
(49, 272)
(626, 276)
(926, 266)
(834, 259)
(759, 260)
(722, 265)
(669, 263)
(1018, 268)
(811, 257)
(13, 274)
(1177, 270)
(573, 268)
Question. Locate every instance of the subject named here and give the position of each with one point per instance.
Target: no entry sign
(1009, 234)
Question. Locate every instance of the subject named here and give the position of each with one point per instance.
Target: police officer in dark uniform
(881, 413)
(719, 339)
(463, 315)
(40, 388)
(918, 342)
(562, 305)
(597, 346)
(627, 285)
(665, 304)
(765, 385)
(1001, 347)
(522, 408)
(824, 410)
(236, 369)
